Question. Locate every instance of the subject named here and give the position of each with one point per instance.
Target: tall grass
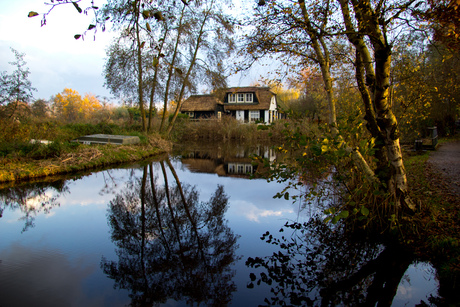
(228, 129)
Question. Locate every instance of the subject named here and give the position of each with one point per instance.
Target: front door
(240, 115)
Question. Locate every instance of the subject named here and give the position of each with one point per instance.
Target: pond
(189, 229)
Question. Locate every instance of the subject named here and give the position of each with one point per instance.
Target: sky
(55, 59)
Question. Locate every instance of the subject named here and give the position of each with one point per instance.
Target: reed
(229, 129)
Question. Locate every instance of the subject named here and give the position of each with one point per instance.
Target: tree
(40, 109)
(93, 27)
(69, 106)
(186, 41)
(442, 16)
(162, 232)
(298, 37)
(143, 46)
(16, 87)
(426, 89)
(375, 24)
(307, 31)
(325, 265)
(127, 56)
(311, 99)
(211, 39)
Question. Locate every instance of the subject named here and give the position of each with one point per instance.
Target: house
(246, 104)
(202, 106)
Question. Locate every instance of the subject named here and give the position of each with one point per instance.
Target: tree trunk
(189, 71)
(154, 81)
(139, 67)
(378, 83)
(171, 68)
(323, 59)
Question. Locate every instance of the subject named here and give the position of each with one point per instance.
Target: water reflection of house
(238, 164)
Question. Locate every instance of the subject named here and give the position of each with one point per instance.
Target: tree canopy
(69, 106)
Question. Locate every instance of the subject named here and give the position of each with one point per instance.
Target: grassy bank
(72, 157)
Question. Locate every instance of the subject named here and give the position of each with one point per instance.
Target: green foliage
(316, 166)
(16, 87)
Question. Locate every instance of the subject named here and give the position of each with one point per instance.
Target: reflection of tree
(31, 199)
(171, 245)
(321, 265)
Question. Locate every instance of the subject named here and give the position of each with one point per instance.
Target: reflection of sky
(48, 277)
(417, 284)
(57, 263)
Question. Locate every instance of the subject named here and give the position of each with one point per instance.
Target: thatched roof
(263, 96)
(200, 103)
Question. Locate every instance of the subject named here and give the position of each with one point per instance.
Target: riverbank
(79, 158)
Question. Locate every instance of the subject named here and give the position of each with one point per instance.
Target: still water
(186, 230)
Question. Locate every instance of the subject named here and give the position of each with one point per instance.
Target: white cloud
(254, 213)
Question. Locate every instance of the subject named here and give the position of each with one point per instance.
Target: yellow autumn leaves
(71, 106)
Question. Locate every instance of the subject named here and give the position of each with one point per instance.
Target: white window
(190, 114)
(240, 169)
(241, 98)
(249, 169)
(254, 116)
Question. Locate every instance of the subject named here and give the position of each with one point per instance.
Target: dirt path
(446, 161)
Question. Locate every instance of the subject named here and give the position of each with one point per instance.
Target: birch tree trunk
(382, 122)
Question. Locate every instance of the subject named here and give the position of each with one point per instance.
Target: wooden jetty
(108, 139)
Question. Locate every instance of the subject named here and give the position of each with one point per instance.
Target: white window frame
(190, 114)
(241, 98)
(254, 115)
(248, 169)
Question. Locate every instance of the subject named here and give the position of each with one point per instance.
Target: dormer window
(241, 98)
